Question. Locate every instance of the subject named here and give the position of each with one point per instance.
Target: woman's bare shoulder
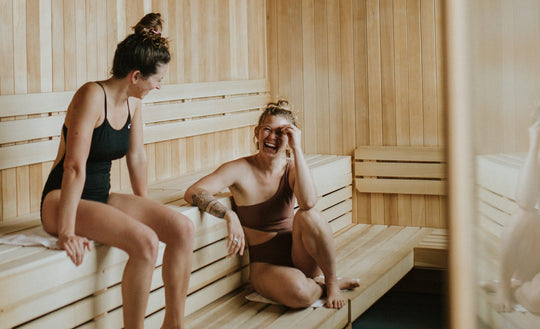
(238, 165)
(87, 102)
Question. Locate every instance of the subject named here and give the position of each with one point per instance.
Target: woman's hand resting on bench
(74, 246)
(236, 242)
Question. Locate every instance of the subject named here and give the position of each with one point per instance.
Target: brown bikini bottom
(276, 251)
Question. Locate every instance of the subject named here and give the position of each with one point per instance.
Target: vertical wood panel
(334, 78)
(322, 114)
(33, 46)
(6, 48)
(373, 45)
(9, 193)
(80, 42)
(45, 45)
(347, 77)
(35, 186)
(70, 47)
(224, 47)
(19, 47)
(308, 72)
(57, 31)
(387, 73)
(297, 54)
(283, 50)
(22, 190)
(401, 74)
(361, 97)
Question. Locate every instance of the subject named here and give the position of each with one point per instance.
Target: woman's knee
(304, 295)
(144, 245)
(311, 218)
(180, 230)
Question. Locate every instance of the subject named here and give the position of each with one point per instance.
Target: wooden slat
(400, 186)
(36, 103)
(400, 169)
(157, 112)
(198, 127)
(23, 154)
(22, 130)
(397, 153)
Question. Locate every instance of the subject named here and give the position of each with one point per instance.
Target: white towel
(33, 237)
(255, 297)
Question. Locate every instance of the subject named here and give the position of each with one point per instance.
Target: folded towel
(33, 237)
(255, 297)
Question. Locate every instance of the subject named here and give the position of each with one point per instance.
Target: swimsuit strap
(105, 101)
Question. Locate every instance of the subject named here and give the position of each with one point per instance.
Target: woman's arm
(201, 194)
(527, 185)
(82, 116)
(303, 184)
(136, 156)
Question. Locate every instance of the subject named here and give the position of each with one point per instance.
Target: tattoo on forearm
(217, 209)
(206, 202)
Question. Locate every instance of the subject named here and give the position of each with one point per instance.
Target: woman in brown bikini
(292, 257)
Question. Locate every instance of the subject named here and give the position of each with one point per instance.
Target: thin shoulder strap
(105, 101)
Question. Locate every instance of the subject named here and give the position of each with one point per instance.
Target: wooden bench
(497, 176)
(38, 281)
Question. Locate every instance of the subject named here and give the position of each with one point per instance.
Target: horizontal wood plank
(397, 153)
(188, 128)
(40, 103)
(400, 169)
(400, 186)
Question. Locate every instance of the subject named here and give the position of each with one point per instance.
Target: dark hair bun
(150, 27)
(151, 21)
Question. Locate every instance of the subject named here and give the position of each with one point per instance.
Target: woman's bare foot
(343, 283)
(333, 294)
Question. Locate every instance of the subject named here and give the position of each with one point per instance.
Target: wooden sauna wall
(364, 72)
(55, 45)
(505, 73)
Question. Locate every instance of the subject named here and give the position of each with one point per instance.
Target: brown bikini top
(274, 214)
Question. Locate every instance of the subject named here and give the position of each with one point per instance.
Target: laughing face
(270, 136)
(143, 85)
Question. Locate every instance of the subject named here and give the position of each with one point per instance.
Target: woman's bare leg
(528, 294)
(285, 285)
(108, 225)
(177, 232)
(313, 251)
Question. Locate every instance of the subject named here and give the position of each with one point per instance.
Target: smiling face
(270, 138)
(144, 85)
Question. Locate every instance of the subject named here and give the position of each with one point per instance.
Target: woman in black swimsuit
(103, 123)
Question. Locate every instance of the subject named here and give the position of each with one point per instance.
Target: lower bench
(378, 255)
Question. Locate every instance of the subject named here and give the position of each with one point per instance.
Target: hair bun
(149, 27)
(150, 23)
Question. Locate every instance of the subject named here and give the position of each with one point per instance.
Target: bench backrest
(400, 170)
(30, 127)
(401, 185)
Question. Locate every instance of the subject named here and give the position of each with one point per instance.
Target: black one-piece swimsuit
(107, 144)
